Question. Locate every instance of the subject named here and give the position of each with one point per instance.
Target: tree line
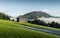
(4, 16)
(39, 22)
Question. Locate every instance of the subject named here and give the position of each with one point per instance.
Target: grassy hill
(9, 29)
(37, 26)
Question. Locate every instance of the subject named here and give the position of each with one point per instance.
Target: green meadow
(37, 26)
(10, 29)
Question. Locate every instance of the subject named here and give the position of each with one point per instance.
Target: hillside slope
(35, 14)
(9, 29)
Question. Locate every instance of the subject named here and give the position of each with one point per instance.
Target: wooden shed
(22, 19)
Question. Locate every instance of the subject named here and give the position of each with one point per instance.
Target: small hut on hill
(22, 19)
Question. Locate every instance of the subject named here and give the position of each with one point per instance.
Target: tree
(54, 24)
(4, 16)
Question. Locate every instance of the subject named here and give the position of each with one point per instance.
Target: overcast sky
(20, 7)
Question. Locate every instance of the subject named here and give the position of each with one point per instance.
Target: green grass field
(9, 29)
(37, 26)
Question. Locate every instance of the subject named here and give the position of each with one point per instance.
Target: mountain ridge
(36, 14)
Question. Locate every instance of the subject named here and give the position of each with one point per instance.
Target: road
(54, 32)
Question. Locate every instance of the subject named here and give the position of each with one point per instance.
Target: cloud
(45, 10)
(48, 11)
(51, 12)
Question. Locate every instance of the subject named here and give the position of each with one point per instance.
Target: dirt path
(54, 32)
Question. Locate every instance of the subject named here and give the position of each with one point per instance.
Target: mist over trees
(39, 22)
(4, 16)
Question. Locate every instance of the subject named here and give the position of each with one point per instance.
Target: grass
(37, 26)
(9, 29)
